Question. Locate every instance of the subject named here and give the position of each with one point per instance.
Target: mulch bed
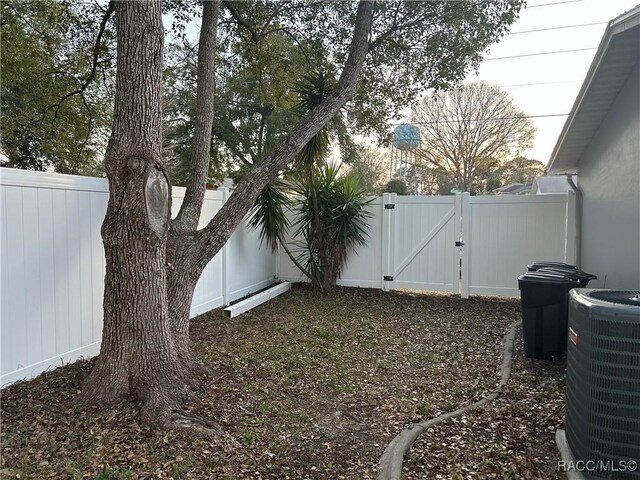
(310, 386)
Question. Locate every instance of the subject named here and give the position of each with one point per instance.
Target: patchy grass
(307, 386)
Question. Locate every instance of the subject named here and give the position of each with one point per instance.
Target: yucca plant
(270, 216)
(341, 217)
(330, 216)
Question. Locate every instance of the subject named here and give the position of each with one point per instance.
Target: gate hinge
(459, 244)
(389, 206)
(388, 278)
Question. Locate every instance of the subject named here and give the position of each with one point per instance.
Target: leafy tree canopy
(521, 170)
(47, 48)
(264, 49)
(396, 185)
(369, 165)
(414, 46)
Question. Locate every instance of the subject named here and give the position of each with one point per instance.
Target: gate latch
(459, 244)
(389, 206)
(388, 278)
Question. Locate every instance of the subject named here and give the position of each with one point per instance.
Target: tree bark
(137, 354)
(189, 214)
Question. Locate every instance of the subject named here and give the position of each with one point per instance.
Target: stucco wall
(609, 176)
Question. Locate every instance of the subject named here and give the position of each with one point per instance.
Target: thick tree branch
(240, 20)
(189, 214)
(220, 228)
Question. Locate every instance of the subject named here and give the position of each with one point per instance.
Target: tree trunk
(151, 266)
(182, 278)
(137, 354)
(320, 281)
(182, 275)
(189, 214)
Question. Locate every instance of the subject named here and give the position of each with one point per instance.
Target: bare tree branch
(467, 130)
(243, 22)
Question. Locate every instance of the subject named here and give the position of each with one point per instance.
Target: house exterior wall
(609, 175)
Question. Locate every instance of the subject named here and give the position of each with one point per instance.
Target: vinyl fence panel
(52, 260)
(502, 234)
(52, 268)
(471, 245)
(423, 251)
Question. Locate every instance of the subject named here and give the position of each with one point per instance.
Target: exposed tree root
(195, 370)
(160, 394)
(192, 424)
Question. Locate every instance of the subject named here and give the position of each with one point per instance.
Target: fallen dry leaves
(311, 386)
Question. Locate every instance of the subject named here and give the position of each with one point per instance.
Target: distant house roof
(617, 55)
(551, 184)
(512, 189)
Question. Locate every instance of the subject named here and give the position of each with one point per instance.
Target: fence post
(225, 257)
(388, 234)
(571, 231)
(466, 238)
(457, 232)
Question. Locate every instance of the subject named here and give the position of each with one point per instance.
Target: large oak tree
(153, 262)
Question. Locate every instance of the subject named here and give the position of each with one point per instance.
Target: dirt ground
(312, 386)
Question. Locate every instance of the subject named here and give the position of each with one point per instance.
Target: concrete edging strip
(393, 455)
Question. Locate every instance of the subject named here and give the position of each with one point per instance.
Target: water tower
(406, 139)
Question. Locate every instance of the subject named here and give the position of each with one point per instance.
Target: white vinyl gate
(459, 244)
(420, 234)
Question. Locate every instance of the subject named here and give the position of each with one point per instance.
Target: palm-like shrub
(330, 210)
(342, 215)
(269, 214)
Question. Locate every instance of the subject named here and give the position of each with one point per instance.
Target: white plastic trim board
(258, 299)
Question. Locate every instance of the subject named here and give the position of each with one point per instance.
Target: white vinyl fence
(52, 259)
(52, 268)
(460, 244)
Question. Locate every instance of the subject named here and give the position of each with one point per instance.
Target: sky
(556, 78)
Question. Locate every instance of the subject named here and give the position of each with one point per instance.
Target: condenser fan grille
(624, 297)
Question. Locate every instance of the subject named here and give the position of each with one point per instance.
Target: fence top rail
(179, 192)
(15, 177)
(423, 199)
(29, 178)
(507, 199)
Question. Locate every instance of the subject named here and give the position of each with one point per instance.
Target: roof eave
(618, 25)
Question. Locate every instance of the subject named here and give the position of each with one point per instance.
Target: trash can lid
(548, 278)
(544, 263)
(568, 272)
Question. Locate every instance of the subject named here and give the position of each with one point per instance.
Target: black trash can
(545, 298)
